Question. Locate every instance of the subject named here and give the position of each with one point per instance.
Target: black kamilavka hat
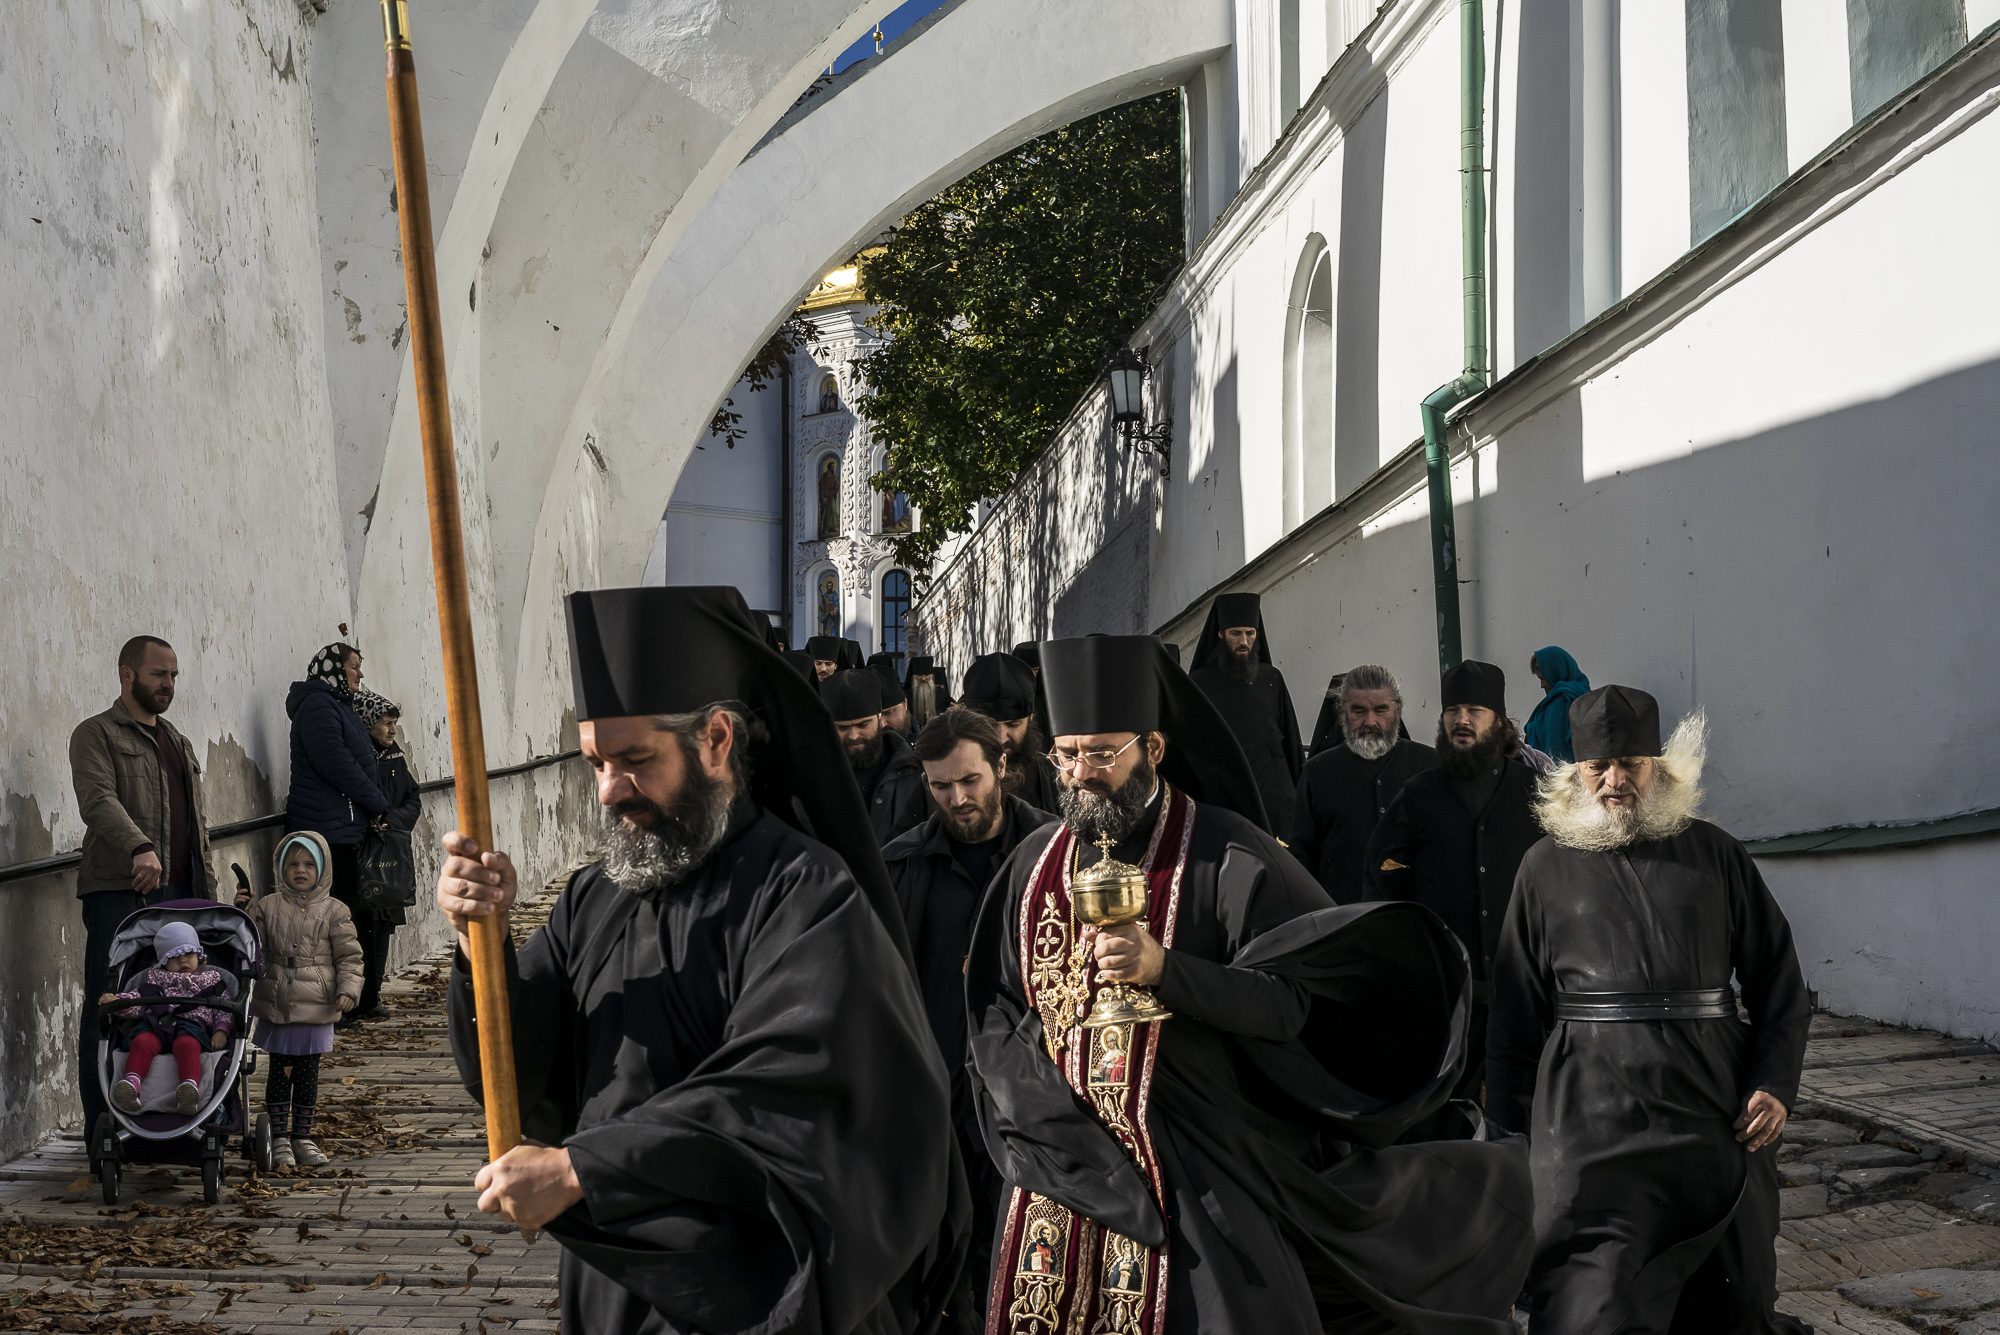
(825, 648)
(851, 655)
(999, 686)
(851, 694)
(677, 649)
(1126, 683)
(1227, 611)
(1474, 683)
(803, 661)
(884, 666)
(1030, 653)
(1612, 722)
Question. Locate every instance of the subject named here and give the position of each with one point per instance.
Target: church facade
(789, 513)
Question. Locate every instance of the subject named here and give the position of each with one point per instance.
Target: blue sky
(893, 27)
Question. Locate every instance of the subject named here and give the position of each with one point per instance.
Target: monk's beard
(1096, 816)
(865, 755)
(1372, 741)
(679, 841)
(1240, 667)
(1482, 757)
(1575, 818)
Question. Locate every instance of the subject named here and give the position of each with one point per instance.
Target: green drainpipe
(1436, 408)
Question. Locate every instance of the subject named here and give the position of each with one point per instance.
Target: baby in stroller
(180, 971)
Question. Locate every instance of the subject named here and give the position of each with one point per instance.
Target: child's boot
(281, 1153)
(125, 1093)
(307, 1153)
(187, 1098)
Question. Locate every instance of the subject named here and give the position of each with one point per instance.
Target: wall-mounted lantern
(1126, 373)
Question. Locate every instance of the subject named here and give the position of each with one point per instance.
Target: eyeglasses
(1597, 769)
(1104, 758)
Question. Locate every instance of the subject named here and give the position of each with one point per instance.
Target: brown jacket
(312, 956)
(121, 790)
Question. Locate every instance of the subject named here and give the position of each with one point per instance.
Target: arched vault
(640, 251)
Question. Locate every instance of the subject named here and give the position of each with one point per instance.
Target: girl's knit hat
(175, 938)
(315, 846)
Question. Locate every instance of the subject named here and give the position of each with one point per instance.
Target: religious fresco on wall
(829, 395)
(896, 512)
(829, 496)
(826, 604)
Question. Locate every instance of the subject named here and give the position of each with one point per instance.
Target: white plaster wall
(1904, 936)
(164, 466)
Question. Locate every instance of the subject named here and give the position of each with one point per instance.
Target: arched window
(826, 603)
(895, 611)
(829, 394)
(1308, 435)
(827, 491)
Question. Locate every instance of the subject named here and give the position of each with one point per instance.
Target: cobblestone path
(385, 1238)
(1892, 1208)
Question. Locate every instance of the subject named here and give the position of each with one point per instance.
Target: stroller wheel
(260, 1143)
(107, 1173)
(211, 1179)
(103, 1140)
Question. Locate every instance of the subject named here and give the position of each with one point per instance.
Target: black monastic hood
(670, 650)
(1126, 683)
(1230, 609)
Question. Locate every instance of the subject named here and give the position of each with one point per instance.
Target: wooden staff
(461, 673)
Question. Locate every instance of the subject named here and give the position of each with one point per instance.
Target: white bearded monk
(1655, 1119)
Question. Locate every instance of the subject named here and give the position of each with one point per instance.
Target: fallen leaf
(302, 1286)
(1926, 1293)
(81, 1184)
(376, 1282)
(449, 1213)
(437, 1283)
(482, 1250)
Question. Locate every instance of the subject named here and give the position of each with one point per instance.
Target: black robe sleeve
(1255, 891)
(796, 1173)
(542, 1011)
(1523, 1010)
(1774, 989)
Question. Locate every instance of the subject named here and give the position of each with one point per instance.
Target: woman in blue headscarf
(1562, 682)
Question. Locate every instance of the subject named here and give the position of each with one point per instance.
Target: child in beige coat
(312, 975)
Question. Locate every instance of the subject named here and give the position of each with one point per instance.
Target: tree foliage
(1003, 296)
(797, 334)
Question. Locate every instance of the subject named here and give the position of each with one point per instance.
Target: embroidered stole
(1057, 1272)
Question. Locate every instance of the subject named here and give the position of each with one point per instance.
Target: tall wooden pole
(461, 673)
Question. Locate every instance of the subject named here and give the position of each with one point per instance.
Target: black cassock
(1644, 1200)
(1304, 1039)
(749, 1091)
(1260, 713)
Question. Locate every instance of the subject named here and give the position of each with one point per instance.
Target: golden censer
(1111, 893)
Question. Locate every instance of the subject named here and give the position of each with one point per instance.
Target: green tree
(1003, 296)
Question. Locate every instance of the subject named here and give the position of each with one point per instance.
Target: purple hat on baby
(176, 938)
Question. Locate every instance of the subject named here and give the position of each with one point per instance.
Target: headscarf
(1548, 727)
(330, 666)
(374, 708)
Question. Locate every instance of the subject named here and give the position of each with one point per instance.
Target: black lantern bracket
(1126, 375)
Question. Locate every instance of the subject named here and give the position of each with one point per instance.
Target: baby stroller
(157, 1133)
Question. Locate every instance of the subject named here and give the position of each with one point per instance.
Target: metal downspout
(1472, 381)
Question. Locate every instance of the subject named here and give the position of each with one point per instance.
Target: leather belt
(1711, 1003)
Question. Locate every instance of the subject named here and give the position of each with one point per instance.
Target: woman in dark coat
(392, 774)
(335, 789)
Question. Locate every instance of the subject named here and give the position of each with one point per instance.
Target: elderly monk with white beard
(737, 1115)
(1616, 1045)
(1228, 1169)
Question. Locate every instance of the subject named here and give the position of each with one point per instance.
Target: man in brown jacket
(138, 787)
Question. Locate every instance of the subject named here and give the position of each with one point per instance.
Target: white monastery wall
(163, 467)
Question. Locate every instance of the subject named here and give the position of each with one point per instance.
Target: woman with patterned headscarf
(335, 789)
